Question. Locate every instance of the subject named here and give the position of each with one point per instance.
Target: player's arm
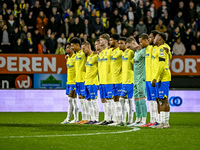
(170, 55)
(132, 59)
(66, 56)
(161, 64)
(168, 50)
(83, 64)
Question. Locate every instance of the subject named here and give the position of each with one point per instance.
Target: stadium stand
(23, 23)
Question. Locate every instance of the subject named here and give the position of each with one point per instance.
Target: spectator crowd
(45, 26)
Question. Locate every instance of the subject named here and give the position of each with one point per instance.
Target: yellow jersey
(116, 66)
(91, 70)
(148, 62)
(80, 66)
(160, 65)
(104, 66)
(127, 67)
(71, 74)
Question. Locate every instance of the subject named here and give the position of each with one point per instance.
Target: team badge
(162, 50)
(162, 54)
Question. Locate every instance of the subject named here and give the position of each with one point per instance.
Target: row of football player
(118, 67)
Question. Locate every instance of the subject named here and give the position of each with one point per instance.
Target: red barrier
(32, 63)
(185, 65)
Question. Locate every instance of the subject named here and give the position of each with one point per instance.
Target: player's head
(97, 45)
(122, 43)
(114, 39)
(143, 39)
(104, 39)
(160, 38)
(75, 44)
(86, 47)
(152, 36)
(68, 49)
(131, 43)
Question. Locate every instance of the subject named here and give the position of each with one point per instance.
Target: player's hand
(166, 50)
(66, 57)
(154, 83)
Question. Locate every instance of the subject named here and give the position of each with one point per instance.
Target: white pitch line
(64, 135)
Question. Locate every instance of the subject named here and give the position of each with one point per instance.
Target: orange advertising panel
(32, 63)
(185, 65)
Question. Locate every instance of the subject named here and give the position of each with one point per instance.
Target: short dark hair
(68, 43)
(163, 36)
(97, 40)
(122, 39)
(143, 36)
(154, 32)
(115, 36)
(75, 40)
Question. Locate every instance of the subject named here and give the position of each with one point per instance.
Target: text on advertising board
(30, 64)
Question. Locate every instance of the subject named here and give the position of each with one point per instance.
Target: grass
(182, 134)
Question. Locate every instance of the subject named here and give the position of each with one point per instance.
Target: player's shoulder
(149, 47)
(167, 46)
(129, 52)
(95, 55)
(142, 50)
(73, 57)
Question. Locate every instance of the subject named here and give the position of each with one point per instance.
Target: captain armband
(161, 59)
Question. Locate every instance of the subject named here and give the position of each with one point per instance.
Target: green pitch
(33, 131)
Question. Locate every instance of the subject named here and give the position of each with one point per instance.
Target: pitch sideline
(68, 135)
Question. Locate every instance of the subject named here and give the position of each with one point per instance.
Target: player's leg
(80, 90)
(163, 104)
(104, 103)
(138, 109)
(76, 108)
(95, 107)
(149, 98)
(86, 98)
(92, 94)
(110, 102)
(122, 102)
(117, 103)
(151, 104)
(165, 107)
(137, 104)
(157, 104)
(130, 103)
(70, 108)
(117, 88)
(142, 101)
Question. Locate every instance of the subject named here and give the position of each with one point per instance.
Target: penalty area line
(68, 135)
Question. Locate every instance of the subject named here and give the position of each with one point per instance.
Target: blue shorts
(91, 91)
(105, 90)
(80, 88)
(117, 89)
(70, 87)
(163, 89)
(151, 91)
(127, 90)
